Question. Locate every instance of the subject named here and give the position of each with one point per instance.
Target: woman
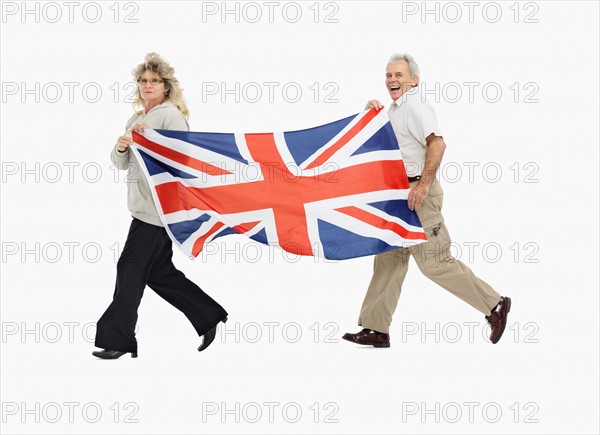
(146, 256)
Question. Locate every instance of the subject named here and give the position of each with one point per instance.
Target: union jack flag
(336, 191)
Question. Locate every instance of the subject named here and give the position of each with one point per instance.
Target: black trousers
(147, 260)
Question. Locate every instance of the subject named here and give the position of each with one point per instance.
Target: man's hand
(433, 158)
(374, 104)
(416, 196)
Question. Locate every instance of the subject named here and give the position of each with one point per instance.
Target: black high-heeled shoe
(111, 354)
(209, 336)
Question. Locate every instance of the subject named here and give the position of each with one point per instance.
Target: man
(422, 147)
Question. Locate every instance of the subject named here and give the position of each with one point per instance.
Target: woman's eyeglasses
(153, 82)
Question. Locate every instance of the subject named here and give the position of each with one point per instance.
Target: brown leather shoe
(369, 337)
(497, 319)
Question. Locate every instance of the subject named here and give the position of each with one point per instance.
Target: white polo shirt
(413, 119)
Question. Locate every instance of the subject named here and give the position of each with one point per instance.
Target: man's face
(398, 79)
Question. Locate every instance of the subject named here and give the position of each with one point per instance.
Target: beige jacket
(165, 116)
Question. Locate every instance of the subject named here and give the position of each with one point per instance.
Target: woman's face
(152, 88)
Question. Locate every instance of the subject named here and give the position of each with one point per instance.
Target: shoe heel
(133, 354)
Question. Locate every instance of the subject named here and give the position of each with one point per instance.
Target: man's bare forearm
(433, 159)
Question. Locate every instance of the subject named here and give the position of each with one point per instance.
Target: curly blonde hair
(154, 63)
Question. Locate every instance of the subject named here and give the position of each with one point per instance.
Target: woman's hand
(123, 143)
(140, 127)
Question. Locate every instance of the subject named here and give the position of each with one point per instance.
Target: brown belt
(412, 179)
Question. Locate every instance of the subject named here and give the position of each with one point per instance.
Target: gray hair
(413, 68)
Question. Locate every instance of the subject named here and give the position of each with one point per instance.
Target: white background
(533, 228)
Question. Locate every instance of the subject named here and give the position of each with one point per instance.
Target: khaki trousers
(435, 262)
